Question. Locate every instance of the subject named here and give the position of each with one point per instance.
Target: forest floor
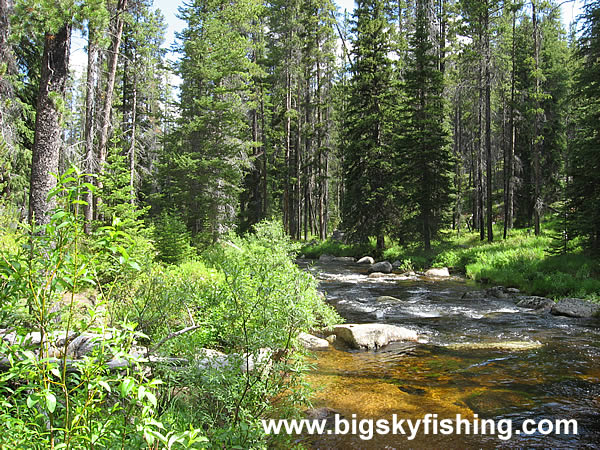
(530, 263)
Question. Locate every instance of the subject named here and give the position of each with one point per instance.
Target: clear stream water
(478, 355)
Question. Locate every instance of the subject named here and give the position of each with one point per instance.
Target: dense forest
(127, 198)
(399, 120)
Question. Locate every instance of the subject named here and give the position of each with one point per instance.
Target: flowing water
(478, 355)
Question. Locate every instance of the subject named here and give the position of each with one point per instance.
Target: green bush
(249, 300)
(49, 401)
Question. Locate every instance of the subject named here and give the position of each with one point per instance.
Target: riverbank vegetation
(530, 263)
(191, 354)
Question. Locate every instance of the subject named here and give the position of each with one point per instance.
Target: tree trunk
(133, 143)
(488, 125)
(510, 165)
(47, 138)
(90, 106)
(113, 59)
(536, 139)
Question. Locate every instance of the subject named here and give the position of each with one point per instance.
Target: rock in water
(326, 258)
(438, 272)
(366, 260)
(575, 307)
(534, 302)
(343, 259)
(387, 299)
(371, 336)
(383, 267)
(311, 342)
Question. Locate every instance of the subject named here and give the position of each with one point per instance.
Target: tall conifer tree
(368, 169)
(424, 151)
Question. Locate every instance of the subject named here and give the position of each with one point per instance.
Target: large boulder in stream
(381, 267)
(366, 260)
(371, 336)
(575, 307)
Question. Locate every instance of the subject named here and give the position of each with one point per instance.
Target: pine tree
(424, 151)
(585, 153)
(368, 171)
(204, 167)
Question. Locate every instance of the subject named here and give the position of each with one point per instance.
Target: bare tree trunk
(133, 143)
(488, 124)
(90, 106)
(480, 207)
(536, 138)
(113, 59)
(47, 138)
(510, 164)
(288, 145)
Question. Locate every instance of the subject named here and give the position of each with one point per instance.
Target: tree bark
(90, 106)
(536, 138)
(47, 138)
(510, 165)
(488, 125)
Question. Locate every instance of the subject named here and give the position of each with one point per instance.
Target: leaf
(151, 398)
(126, 387)
(31, 402)
(105, 385)
(50, 402)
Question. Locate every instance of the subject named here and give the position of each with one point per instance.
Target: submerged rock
(388, 299)
(533, 302)
(371, 336)
(575, 307)
(311, 342)
(437, 272)
(377, 275)
(343, 259)
(497, 292)
(326, 258)
(473, 294)
(499, 345)
(383, 267)
(366, 260)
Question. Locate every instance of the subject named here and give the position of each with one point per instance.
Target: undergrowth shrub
(48, 399)
(248, 300)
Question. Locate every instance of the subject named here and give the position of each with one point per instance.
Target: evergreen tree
(424, 150)
(204, 167)
(368, 168)
(585, 153)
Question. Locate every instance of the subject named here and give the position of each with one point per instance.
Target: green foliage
(172, 239)
(49, 400)
(247, 299)
(585, 157)
(367, 164)
(335, 248)
(424, 159)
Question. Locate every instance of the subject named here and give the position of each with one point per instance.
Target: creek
(477, 355)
